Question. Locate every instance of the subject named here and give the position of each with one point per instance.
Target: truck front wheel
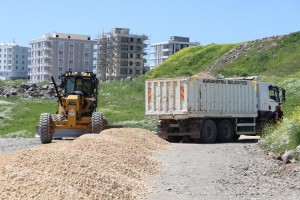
(208, 132)
(225, 131)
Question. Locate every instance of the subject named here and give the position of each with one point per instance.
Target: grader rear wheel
(45, 128)
(97, 122)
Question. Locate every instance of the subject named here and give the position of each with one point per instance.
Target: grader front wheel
(45, 128)
(97, 122)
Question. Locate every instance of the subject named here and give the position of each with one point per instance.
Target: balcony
(48, 55)
(49, 64)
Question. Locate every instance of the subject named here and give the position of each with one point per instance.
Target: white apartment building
(56, 53)
(120, 54)
(163, 50)
(13, 61)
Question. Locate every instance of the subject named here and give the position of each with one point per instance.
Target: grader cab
(77, 108)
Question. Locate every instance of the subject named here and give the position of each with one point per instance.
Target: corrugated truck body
(182, 98)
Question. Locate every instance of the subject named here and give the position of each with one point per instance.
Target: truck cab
(269, 96)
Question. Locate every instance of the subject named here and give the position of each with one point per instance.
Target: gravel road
(239, 170)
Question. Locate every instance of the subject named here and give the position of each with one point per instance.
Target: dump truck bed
(182, 98)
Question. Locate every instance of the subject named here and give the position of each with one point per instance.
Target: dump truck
(77, 108)
(210, 109)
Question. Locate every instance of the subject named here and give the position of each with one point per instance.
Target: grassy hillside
(189, 61)
(274, 56)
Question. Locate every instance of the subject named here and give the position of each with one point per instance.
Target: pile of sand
(115, 164)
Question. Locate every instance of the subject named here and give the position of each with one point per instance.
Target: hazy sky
(205, 21)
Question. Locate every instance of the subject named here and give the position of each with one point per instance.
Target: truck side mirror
(283, 95)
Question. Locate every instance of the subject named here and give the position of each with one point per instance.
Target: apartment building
(56, 53)
(13, 61)
(120, 54)
(163, 50)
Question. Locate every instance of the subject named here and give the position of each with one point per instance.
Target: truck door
(268, 97)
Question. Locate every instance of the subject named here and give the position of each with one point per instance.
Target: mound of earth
(115, 164)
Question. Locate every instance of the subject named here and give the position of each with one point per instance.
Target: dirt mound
(115, 164)
(202, 75)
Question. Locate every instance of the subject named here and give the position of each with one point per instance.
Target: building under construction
(120, 54)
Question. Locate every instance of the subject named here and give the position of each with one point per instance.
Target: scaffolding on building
(111, 62)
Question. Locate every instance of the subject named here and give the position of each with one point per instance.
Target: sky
(204, 21)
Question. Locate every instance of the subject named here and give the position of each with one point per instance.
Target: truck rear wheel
(97, 122)
(45, 128)
(225, 131)
(208, 132)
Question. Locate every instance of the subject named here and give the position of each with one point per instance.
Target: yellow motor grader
(77, 108)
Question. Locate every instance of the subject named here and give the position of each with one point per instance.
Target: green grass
(284, 136)
(20, 116)
(124, 103)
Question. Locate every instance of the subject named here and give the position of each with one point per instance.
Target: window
(131, 47)
(71, 45)
(131, 55)
(86, 55)
(137, 71)
(138, 48)
(17, 62)
(130, 71)
(131, 39)
(60, 61)
(138, 56)
(124, 47)
(61, 52)
(124, 39)
(124, 55)
(23, 68)
(61, 43)
(23, 56)
(139, 40)
(87, 47)
(137, 64)
(124, 63)
(23, 62)
(60, 69)
(86, 63)
(274, 93)
(71, 53)
(130, 63)
(70, 62)
(16, 67)
(123, 71)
